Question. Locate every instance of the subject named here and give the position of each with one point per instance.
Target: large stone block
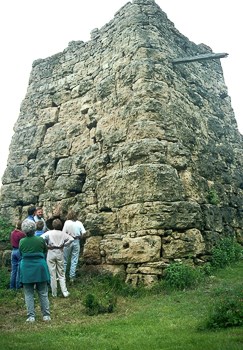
(138, 184)
(160, 215)
(121, 249)
(187, 244)
(91, 252)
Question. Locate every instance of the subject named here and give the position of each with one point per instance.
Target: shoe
(66, 294)
(46, 318)
(30, 319)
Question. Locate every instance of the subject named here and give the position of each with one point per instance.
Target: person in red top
(15, 237)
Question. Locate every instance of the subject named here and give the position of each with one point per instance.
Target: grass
(156, 320)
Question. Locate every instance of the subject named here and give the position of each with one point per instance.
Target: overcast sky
(38, 29)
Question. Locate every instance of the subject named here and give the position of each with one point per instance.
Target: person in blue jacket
(39, 228)
(31, 213)
(34, 273)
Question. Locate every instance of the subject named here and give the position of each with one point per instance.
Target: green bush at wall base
(182, 276)
(226, 252)
(5, 229)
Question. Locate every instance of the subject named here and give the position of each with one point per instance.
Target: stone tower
(147, 151)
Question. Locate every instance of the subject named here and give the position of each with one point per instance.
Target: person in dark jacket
(31, 213)
(34, 271)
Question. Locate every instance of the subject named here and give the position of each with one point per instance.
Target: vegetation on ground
(146, 319)
(227, 311)
(104, 313)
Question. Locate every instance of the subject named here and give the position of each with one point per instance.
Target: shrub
(226, 252)
(116, 284)
(206, 269)
(95, 306)
(182, 276)
(227, 310)
(213, 197)
(5, 229)
(110, 284)
(4, 278)
(103, 290)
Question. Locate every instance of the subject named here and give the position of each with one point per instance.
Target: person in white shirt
(75, 229)
(39, 217)
(56, 241)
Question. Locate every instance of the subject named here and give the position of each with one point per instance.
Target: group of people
(40, 256)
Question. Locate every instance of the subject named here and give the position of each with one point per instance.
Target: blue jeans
(42, 290)
(15, 260)
(73, 249)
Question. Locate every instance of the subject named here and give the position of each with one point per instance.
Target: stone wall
(148, 152)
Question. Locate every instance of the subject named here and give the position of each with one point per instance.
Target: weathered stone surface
(141, 279)
(105, 268)
(140, 183)
(187, 244)
(49, 116)
(155, 268)
(91, 253)
(146, 151)
(160, 215)
(119, 249)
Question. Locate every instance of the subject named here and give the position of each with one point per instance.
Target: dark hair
(72, 215)
(31, 210)
(57, 224)
(39, 225)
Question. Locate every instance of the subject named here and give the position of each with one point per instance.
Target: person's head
(39, 225)
(31, 210)
(57, 224)
(18, 224)
(39, 212)
(28, 227)
(72, 215)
